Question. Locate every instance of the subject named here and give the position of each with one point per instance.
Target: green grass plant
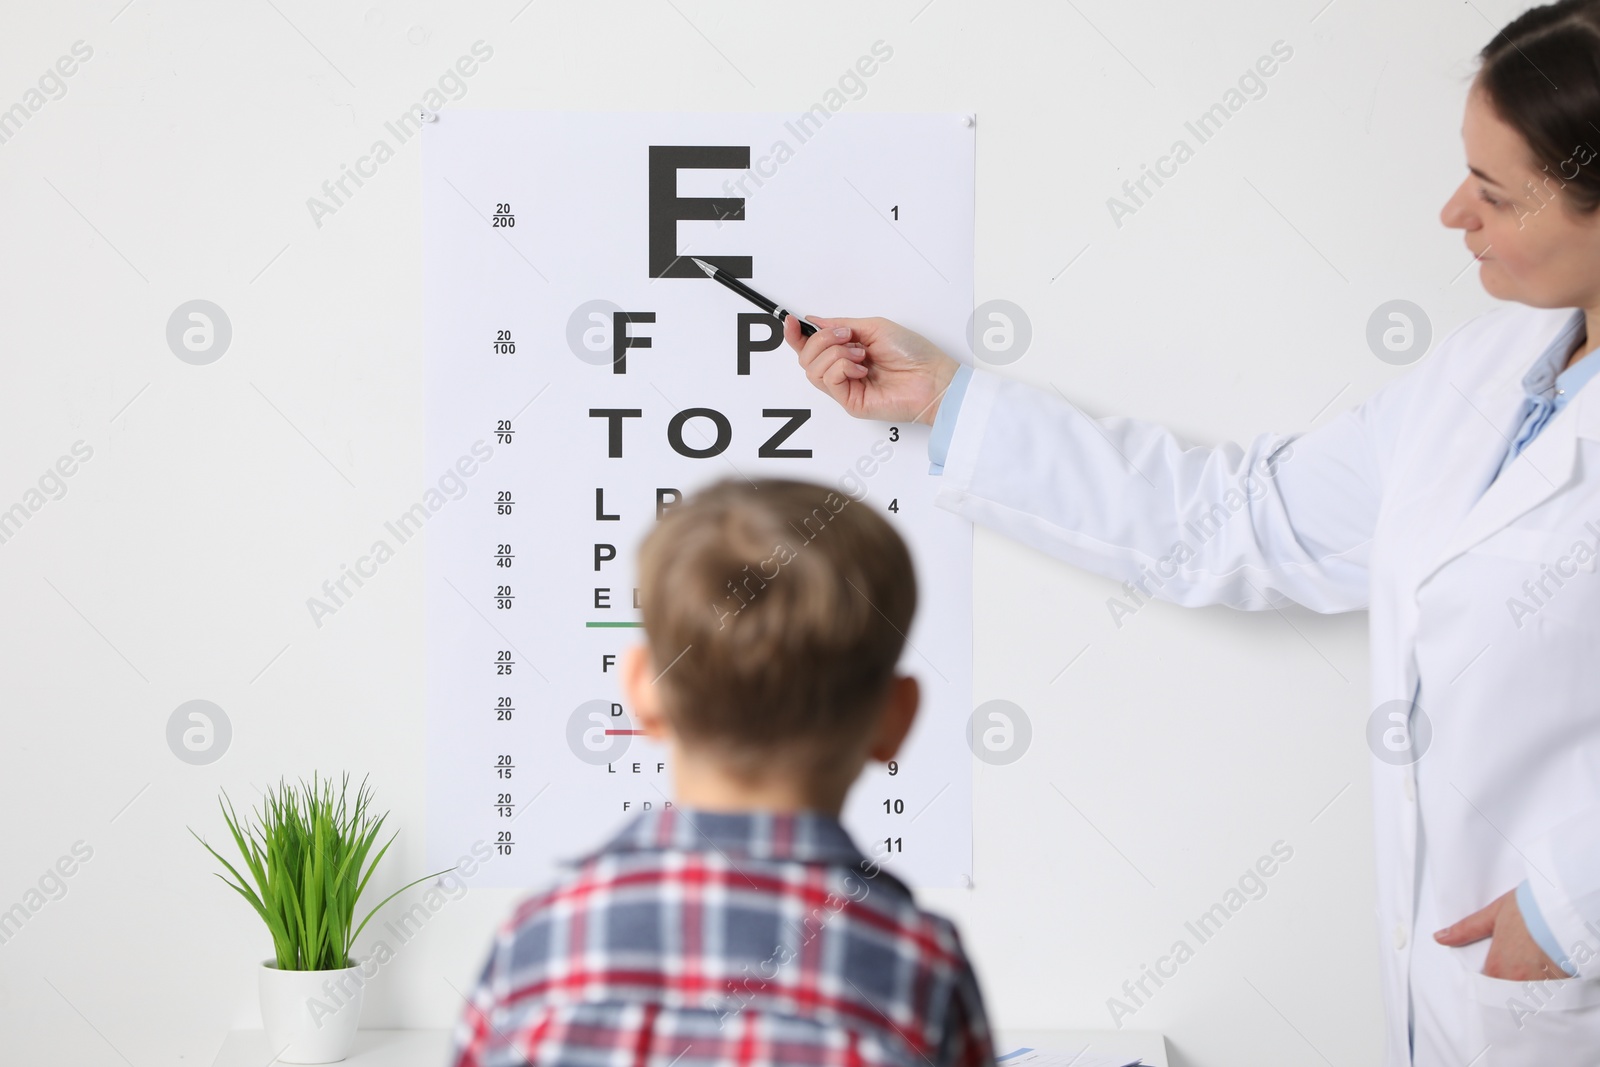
(305, 855)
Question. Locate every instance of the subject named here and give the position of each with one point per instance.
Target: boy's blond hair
(775, 613)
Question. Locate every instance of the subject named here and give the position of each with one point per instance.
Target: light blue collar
(1546, 381)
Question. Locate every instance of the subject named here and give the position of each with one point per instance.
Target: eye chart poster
(582, 375)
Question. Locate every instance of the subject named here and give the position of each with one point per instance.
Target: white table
(428, 1048)
(373, 1048)
(1145, 1045)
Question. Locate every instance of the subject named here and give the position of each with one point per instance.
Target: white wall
(177, 166)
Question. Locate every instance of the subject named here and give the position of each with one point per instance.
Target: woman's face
(1532, 248)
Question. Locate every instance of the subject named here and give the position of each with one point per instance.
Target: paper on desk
(1040, 1057)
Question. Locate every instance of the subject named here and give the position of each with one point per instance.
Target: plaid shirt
(698, 939)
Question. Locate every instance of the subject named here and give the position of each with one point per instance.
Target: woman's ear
(639, 690)
(899, 712)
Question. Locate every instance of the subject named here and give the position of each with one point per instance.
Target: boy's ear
(899, 712)
(640, 691)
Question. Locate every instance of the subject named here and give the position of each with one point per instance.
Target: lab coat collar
(1545, 467)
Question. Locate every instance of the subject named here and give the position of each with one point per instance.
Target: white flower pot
(310, 1016)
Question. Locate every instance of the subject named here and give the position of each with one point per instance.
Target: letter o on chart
(716, 448)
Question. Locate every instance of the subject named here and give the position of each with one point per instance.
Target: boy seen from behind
(739, 924)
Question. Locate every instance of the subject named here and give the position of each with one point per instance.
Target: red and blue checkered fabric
(703, 939)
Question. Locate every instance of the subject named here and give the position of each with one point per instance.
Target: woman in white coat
(1459, 505)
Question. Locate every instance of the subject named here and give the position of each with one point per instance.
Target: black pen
(806, 329)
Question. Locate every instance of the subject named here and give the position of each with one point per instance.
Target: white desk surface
(428, 1048)
(373, 1048)
(1146, 1045)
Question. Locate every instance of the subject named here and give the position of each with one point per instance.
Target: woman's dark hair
(1542, 76)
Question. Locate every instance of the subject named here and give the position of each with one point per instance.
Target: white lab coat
(1380, 509)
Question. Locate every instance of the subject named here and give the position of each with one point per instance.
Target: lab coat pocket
(1521, 1024)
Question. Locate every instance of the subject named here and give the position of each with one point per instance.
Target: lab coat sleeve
(1564, 878)
(1538, 929)
(1284, 516)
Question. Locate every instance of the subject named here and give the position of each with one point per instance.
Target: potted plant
(305, 858)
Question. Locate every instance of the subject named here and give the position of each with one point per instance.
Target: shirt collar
(802, 836)
(1574, 377)
(1546, 375)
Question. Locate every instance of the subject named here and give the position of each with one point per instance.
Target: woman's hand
(1513, 954)
(874, 368)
